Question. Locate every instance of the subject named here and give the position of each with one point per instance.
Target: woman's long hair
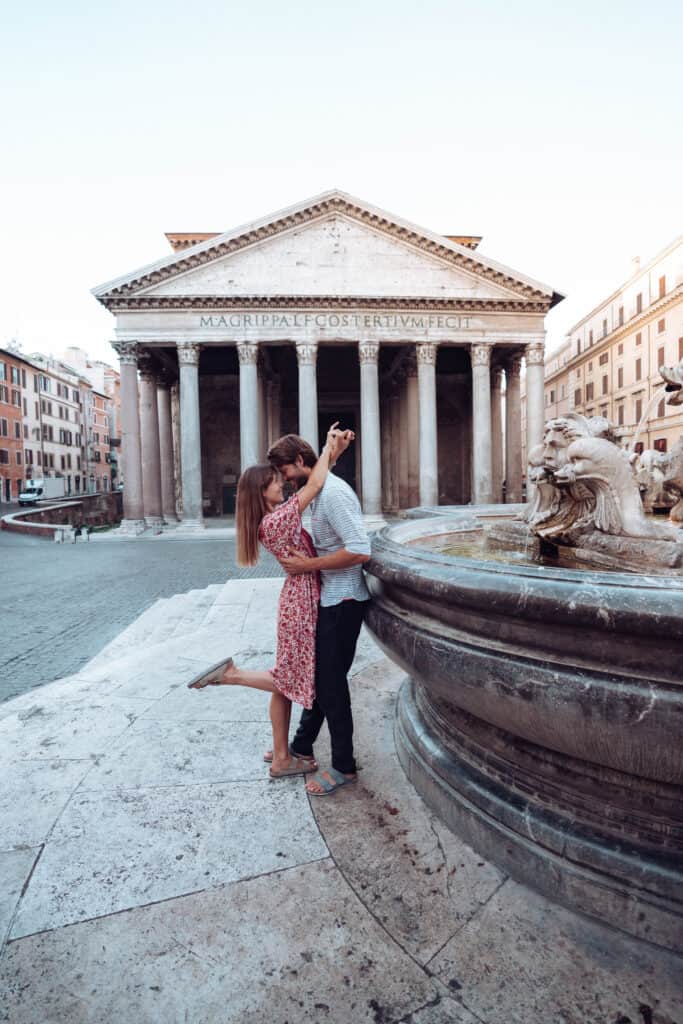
(250, 510)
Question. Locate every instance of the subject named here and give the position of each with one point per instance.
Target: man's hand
(296, 562)
(339, 441)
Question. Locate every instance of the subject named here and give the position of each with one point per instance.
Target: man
(342, 544)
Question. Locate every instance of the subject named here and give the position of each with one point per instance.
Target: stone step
(166, 618)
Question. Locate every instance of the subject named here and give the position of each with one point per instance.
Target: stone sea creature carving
(673, 380)
(553, 510)
(673, 481)
(607, 472)
(651, 469)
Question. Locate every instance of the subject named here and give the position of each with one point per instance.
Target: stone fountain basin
(543, 716)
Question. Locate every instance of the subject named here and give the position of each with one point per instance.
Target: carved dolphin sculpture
(606, 470)
(673, 379)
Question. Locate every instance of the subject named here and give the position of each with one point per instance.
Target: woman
(262, 516)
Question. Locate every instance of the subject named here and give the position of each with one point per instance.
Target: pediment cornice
(129, 303)
(210, 250)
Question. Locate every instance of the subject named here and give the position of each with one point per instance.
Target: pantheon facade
(329, 310)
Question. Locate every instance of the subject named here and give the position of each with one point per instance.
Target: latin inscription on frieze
(400, 321)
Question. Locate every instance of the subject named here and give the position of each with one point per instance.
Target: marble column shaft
(306, 355)
(395, 445)
(249, 406)
(535, 389)
(481, 424)
(190, 435)
(403, 447)
(497, 452)
(513, 431)
(131, 453)
(427, 445)
(413, 427)
(168, 508)
(371, 461)
(151, 452)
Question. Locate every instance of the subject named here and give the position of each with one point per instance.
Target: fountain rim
(399, 538)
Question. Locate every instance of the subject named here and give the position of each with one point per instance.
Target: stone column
(190, 439)
(168, 508)
(149, 438)
(413, 429)
(131, 454)
(481, 424)
(497, 458)
(403, 453)
(175, 429)
(427, 446)
(371, 462)
(395, 443)
(306, 355)
(513, 431)
(535, 373)
(249, 417)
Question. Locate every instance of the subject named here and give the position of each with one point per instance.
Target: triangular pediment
(333, 245)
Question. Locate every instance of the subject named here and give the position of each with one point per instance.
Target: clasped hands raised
(295, 561)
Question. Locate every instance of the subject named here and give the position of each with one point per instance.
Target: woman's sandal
(297, 766)
(212, 677)
(268, 756)
(331, 785)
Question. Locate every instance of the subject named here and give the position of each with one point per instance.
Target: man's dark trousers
(335, 649)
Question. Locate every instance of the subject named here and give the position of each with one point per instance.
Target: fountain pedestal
(543, 719)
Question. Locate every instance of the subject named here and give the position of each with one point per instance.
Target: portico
(331, 309)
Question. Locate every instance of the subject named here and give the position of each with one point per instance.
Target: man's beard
(300, 480)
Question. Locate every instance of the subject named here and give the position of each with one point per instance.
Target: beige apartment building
(609, 364)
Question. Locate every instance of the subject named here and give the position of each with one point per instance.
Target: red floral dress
(297, 617)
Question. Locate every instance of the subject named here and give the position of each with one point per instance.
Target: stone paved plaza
(150, 871)
(62, 603)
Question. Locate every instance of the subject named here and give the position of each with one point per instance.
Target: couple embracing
(321, 605)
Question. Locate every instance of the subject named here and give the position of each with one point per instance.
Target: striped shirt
(337, 522)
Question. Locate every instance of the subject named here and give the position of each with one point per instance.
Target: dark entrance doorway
(346, 467)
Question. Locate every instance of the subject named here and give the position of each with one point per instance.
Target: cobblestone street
(61, 603)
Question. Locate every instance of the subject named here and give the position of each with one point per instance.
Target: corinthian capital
(513, 368)
(247, 354)
(426, 354)
(368, 351)
(146, 367)
(306, 354)
(481, 355)
(534, 353)
(127, 352)
(188, 353)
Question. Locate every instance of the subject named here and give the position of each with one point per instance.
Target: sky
(554, 131)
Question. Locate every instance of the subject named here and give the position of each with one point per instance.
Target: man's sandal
(331, 785)
(212, 677)
(297, 766)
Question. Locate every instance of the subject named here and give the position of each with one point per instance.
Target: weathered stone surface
(523, 960)
(294, 946)
(33, 795)
(65, 730)
(184, 753)
(15, 868)
(420, 881)
(112, 851)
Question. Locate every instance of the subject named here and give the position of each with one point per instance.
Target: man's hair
(285, 452)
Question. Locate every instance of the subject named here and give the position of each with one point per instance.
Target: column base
(192, 525)
(374, 522)
(132, 527)
(154, 522)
